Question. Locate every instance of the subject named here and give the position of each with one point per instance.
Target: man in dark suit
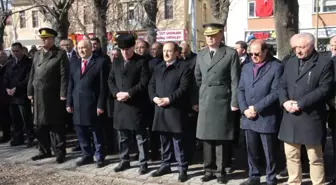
(15, 82)
(157, 54)
(67, 45)
(142, 48)
(217, 75)
(189, 58)
(169, 90)
(4, 103)
(128, 82)
(241, 48)
(47, 87)
(86, 99)
(305, 86)
(332, 103)
(258, 102)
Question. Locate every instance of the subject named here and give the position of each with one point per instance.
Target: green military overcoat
(48, 82)
(217, 79)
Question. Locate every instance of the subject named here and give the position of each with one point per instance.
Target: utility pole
(317, 5)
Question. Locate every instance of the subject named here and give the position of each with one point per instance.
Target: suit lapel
(262, 72)
(45, 57)
(310, 64)
(89, 65)
(220, 53)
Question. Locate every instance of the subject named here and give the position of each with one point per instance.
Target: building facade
(173, 20)
(244, 12)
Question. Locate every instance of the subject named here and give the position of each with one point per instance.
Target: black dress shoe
(77, 148)
(208, 177)
(183, 177)
(29, 143)
(84, 161)
(16, 142)
(229, 170)
(163, 170)
(4, 139)
(284, 173)
(143, 169)
(122, 167)
(251, 182)
(60, 159)
(100, 163)
(41, 156)
(222, 180)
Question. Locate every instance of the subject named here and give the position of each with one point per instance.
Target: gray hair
(310, 38)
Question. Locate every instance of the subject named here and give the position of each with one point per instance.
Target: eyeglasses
(255, 54)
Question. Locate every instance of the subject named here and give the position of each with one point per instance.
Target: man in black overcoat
(128, 82)
(86, 99)
(15, 82)
(169, 90)
(305, 87)
(4, 103)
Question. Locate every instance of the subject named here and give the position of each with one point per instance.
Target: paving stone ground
(22, 156)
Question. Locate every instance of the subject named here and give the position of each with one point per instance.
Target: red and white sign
(170, 35)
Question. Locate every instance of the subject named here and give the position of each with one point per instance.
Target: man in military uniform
(217, 74)
(47, 87)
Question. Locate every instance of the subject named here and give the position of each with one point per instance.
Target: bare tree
(5, 13)
(75, 20)
(56, 12)
(220, 9)
(101, 7)
(286, 18)
(150, 23)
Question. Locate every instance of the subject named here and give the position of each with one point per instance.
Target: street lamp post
(317, 5)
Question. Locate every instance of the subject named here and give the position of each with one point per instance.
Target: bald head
(157, 50)
(3, 58)
(84, 48)
(333, 45)
(186, 51)
(258, 50)
(293, 40)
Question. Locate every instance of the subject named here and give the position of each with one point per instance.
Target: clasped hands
(250, 113)
(11, 92)
(291, 106)
(161, 102)
(122, 96)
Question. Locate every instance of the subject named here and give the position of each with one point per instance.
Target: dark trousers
(84, 134)
(215, 156)
(190, 138)
(125, 140)
(109, 134)
(51, 136)
(5, 121)
(22, 122)
(333, 131)
(254, 141)
(167, 140)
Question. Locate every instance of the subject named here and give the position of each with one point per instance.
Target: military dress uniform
(48, 82)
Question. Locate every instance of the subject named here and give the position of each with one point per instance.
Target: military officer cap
(126, 40)
(212, 28)
(47, 32)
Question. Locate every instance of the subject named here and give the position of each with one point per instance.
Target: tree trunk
(286, 18)
(2, 31)
(61, 25)
(220, 10)
(150, 24)
(101, 7)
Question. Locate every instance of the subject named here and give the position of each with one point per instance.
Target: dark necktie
(211, 54)
(301, 66)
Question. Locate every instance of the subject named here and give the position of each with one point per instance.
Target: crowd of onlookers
(171, 100)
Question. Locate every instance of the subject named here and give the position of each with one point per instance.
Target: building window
(204, 13)
(169, 9)
(251, 9)
(22, 15)
(130, 13)
(35, 19)
(326, 6)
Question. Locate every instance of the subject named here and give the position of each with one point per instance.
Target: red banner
(264, 8)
